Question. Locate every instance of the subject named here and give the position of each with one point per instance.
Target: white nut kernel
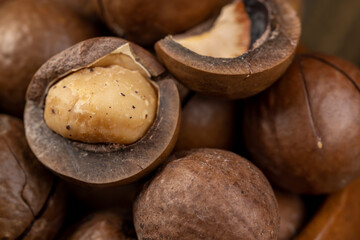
(102, 104)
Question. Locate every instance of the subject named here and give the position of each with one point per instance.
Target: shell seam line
(319, 142)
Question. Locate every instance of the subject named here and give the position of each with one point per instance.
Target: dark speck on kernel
(122, 94)
(53, 111)
(68, 127)
(64, 86)
(133, 106)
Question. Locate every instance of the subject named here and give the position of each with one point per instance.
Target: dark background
(332, 26)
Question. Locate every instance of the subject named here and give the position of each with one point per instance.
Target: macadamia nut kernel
(102, 104)
(228, 38)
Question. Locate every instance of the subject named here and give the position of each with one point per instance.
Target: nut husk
(207, 194)
(102, 164)
(207, 122)
(32, 205)
(275, 32)
(304, 131)
(30, 33)
(338, 218)
(145, 22)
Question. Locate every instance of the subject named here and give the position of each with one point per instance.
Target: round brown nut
(304, 131)
(32, 204)
(30, 33)
(239, 54)
(88, 148)
(84, 8)
(107, 225)
(145, 22)
(207, 122)
(292, 214)
(207, 194)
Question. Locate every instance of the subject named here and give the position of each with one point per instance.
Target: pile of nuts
(175, 119)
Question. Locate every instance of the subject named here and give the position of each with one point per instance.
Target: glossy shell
(304, 131)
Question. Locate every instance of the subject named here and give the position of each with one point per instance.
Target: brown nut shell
(50, 219)
(207, 194)
(292, 214)
(304, 131)
(101, 164)
(106, 225)
(145, 22)
(26, 191)
(207, 122)
(30, 33)
(84, 8)
(338, 218)
(248, 74)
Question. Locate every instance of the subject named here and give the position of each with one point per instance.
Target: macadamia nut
(102, 104)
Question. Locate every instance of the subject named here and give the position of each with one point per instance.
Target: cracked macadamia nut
(207, 194)
(102, 104)
(102, 112)
(304, 131)
(236, 54)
